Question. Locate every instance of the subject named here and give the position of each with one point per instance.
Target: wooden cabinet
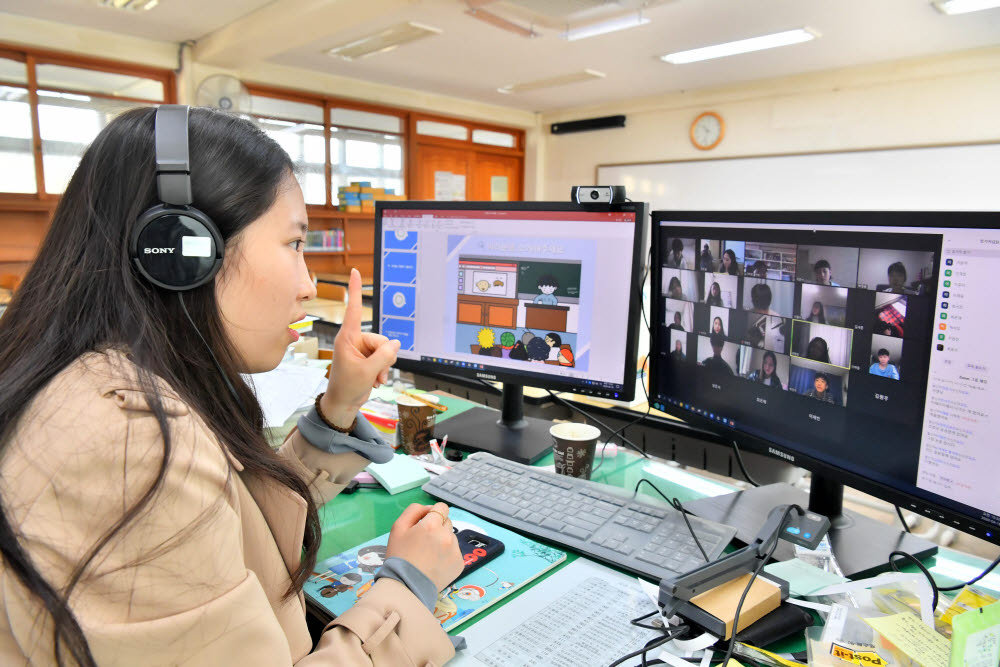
(487, 311)
(359, 246)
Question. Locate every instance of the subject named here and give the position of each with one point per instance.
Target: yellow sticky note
(923, 645)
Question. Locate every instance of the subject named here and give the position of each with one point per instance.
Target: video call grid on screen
(539, 293)
(801, 316)
(904, 432)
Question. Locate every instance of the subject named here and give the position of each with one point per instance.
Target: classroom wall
(939, 100)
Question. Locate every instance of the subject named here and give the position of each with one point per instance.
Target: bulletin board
(937, 178)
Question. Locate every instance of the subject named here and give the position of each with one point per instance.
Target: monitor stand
(513, 436)
(861, 545)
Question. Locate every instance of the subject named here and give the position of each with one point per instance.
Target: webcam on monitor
(597, 194)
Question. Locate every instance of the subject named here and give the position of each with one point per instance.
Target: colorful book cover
(341, 580)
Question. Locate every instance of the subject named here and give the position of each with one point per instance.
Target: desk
(349, 520)
(331, 316)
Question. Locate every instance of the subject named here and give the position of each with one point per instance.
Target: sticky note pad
(920, 643)
(400, 474)
(803, 579)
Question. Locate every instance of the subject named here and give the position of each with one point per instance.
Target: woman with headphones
(144, 519)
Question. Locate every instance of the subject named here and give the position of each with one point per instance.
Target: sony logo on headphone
(157, 251)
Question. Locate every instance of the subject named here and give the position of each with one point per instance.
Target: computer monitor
(538, 293)
(858, 345)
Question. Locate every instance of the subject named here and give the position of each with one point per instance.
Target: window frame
(32, 57)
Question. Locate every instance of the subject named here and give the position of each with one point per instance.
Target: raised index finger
(352, 316)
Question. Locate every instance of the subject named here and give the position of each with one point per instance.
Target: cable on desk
(676, 504)
(625, 426)
(920, 566)
(935, 588)
(636, 621)
(899, 513)
(743, 468)
(650, 645)
(760, 566)
(595, 419)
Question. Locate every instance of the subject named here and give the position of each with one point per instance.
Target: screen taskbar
(583, 386)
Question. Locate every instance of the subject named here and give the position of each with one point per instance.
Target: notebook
(339, 581)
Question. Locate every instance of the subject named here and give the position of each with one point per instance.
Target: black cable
(627, 425)
(899, 513)
(676, 504)
(935, 588)
(920, 566)
(636, 621)
(651, 644)
(760, 566)
(589, 416)
(218, 366)
(743, 468)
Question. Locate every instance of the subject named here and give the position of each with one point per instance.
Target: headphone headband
(173, 163)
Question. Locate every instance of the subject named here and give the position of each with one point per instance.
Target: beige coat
(196, 579)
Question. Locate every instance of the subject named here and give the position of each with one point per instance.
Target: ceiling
(471, 59)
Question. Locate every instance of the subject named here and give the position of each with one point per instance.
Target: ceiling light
(382, 41)
(575, 77)
(742, 46)
(130, 4)
(500, 22)
(604, 27)
(964, 6)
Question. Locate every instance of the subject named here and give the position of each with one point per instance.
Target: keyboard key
(553, 524)
(573, 531)
(496, 504)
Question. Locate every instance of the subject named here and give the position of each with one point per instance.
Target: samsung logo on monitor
(486, 376)
(787, 457)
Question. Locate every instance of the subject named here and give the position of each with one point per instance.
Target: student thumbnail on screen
(886, 357)
(680, 284)
(822, 342)
(731, 262)
(713, 319)
(817, 381)
(720, 290)
(907, 272)
(678, 346)
(890, 315)
(708, 256)
(764, 367)
(681, 254)
(776, 261)
(823, 305)
(769, 297)
(834, 266)
(678, 315)
(717, 355)
(767, 332)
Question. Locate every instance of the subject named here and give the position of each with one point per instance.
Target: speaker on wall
(588, 124)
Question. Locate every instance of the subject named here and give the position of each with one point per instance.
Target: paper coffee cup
(573, 447)
(415, 425)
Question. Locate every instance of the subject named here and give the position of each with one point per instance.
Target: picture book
(340, 581)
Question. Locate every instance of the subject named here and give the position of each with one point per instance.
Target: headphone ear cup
(177, 248)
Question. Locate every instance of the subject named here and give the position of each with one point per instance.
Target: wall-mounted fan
(224, 92)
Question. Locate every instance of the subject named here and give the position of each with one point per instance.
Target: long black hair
(82, 295)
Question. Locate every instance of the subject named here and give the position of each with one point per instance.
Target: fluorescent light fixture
(500, 22)
(604, 27)
(777, 39)
(562, 80)
(382, 41)
(130, 4)
(963, 6)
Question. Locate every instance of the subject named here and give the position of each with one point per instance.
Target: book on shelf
(340, 581)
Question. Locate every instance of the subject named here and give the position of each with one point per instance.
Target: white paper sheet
(578, 617)
(284, 389)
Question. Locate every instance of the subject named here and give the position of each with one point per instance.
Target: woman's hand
(423, 536)
(361, 361)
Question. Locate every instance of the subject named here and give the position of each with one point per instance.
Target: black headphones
(174, 245)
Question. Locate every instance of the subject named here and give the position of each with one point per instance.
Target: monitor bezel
(932, 219)
(497, 374)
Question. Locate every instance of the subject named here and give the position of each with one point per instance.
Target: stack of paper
(285, 389)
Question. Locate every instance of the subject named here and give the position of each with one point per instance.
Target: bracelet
(326, 421)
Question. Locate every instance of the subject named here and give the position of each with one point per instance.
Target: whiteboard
(941, 178)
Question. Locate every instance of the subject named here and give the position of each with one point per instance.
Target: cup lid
(575, 431)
